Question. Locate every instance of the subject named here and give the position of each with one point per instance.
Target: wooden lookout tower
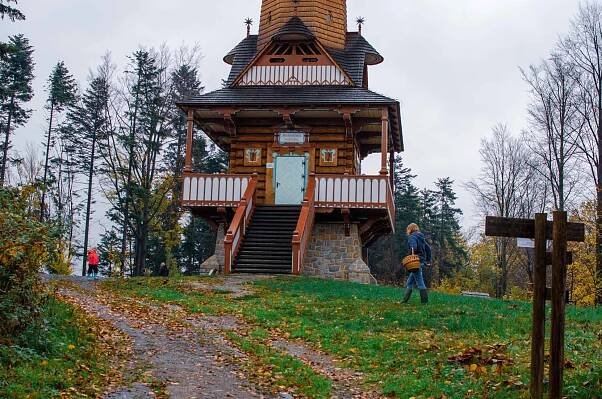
(297, 117)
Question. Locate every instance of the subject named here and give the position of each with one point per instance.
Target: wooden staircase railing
(237, 230)
(304, 228)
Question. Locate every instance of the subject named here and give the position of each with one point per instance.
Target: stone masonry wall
(217, 260)
(330, 254)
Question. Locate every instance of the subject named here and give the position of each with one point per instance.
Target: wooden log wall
(327, 19)
(323, 138)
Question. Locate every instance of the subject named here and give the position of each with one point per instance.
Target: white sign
(292, 137)
(525, 243)
(530, 243)
(269, 166)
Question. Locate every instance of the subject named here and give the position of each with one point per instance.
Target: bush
(26, 246)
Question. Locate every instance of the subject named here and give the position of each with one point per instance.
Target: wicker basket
(411, 262)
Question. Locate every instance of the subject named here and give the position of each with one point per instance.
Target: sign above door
(292, 137)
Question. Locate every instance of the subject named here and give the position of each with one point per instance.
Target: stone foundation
(330, 254)
(217, 260)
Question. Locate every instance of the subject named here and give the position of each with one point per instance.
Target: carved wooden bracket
(229, 121)
(287, 115)
(348, 124)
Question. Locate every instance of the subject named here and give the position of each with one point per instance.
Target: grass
(61, 360)
(403, 350)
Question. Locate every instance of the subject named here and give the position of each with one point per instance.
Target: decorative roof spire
(248, 22)
(360, 22)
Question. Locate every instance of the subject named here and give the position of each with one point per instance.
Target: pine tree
(87, 123)
(16, 76)
(13, 15)
(184, 85)
(447, 234)
(61, 94)
(142, 141)
(385, 255)
(11, 12)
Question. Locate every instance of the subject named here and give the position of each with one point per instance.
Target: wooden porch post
(189, 142)
(392, 169)
(384, 142)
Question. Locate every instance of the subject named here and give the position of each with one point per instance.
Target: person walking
(93, 261)
(417, 245)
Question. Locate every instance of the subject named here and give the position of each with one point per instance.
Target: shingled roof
(290, 95)
(299, 95)
(357, 52)
(294, 26)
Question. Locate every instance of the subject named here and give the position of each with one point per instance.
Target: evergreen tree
(16, 76)
(61, 94)
(386, 254)
(140, 140)
(447, 232)
(13, 15)
(11, 12)
(87, 123)
(184, 85)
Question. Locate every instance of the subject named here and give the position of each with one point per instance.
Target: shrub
(26, 246)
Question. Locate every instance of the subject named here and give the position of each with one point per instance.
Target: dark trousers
(93, 269)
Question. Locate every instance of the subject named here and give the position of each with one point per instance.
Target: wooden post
(384, 141)
(558, 304)
(392, 169)
(539, 307)
(189, 142)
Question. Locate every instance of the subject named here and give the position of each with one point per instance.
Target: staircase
(267, 246)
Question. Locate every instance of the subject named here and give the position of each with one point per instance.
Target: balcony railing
(213, 190)
(355, 192)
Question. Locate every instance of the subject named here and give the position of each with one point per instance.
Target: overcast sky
(453, 64)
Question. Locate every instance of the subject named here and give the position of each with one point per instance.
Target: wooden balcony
(354, 192)
(202, 190)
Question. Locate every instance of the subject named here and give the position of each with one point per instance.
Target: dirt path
(177, 355)
(175, 360)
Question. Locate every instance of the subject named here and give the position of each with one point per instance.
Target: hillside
(316, 338)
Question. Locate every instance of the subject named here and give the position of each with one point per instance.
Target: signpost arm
(539, 307)
(558, 303)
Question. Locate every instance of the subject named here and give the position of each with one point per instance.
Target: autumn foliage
(26, 246)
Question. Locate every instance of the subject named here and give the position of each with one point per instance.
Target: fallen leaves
(490, 355)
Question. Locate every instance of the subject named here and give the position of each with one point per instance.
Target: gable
(302, 63)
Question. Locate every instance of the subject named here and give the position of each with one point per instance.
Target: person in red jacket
(93, 261)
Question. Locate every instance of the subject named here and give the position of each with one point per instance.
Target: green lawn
(403, 350)
(61, 358)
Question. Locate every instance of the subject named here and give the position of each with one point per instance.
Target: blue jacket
(417, 242)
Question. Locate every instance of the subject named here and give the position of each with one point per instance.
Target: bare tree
(582, 50)
(553, 125)
(507, 187)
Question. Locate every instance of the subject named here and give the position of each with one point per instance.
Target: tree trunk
(89, 204)
(45, 181)
(4, 166)
(140, 257)
(598, 279)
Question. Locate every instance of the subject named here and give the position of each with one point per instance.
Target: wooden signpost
(561, 232)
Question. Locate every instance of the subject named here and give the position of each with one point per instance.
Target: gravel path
(182, 361)
(176, 355)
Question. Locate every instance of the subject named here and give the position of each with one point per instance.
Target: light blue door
(290, 180)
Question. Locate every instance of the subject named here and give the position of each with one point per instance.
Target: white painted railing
(213, 190)
(342, 191)
(355, 192)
